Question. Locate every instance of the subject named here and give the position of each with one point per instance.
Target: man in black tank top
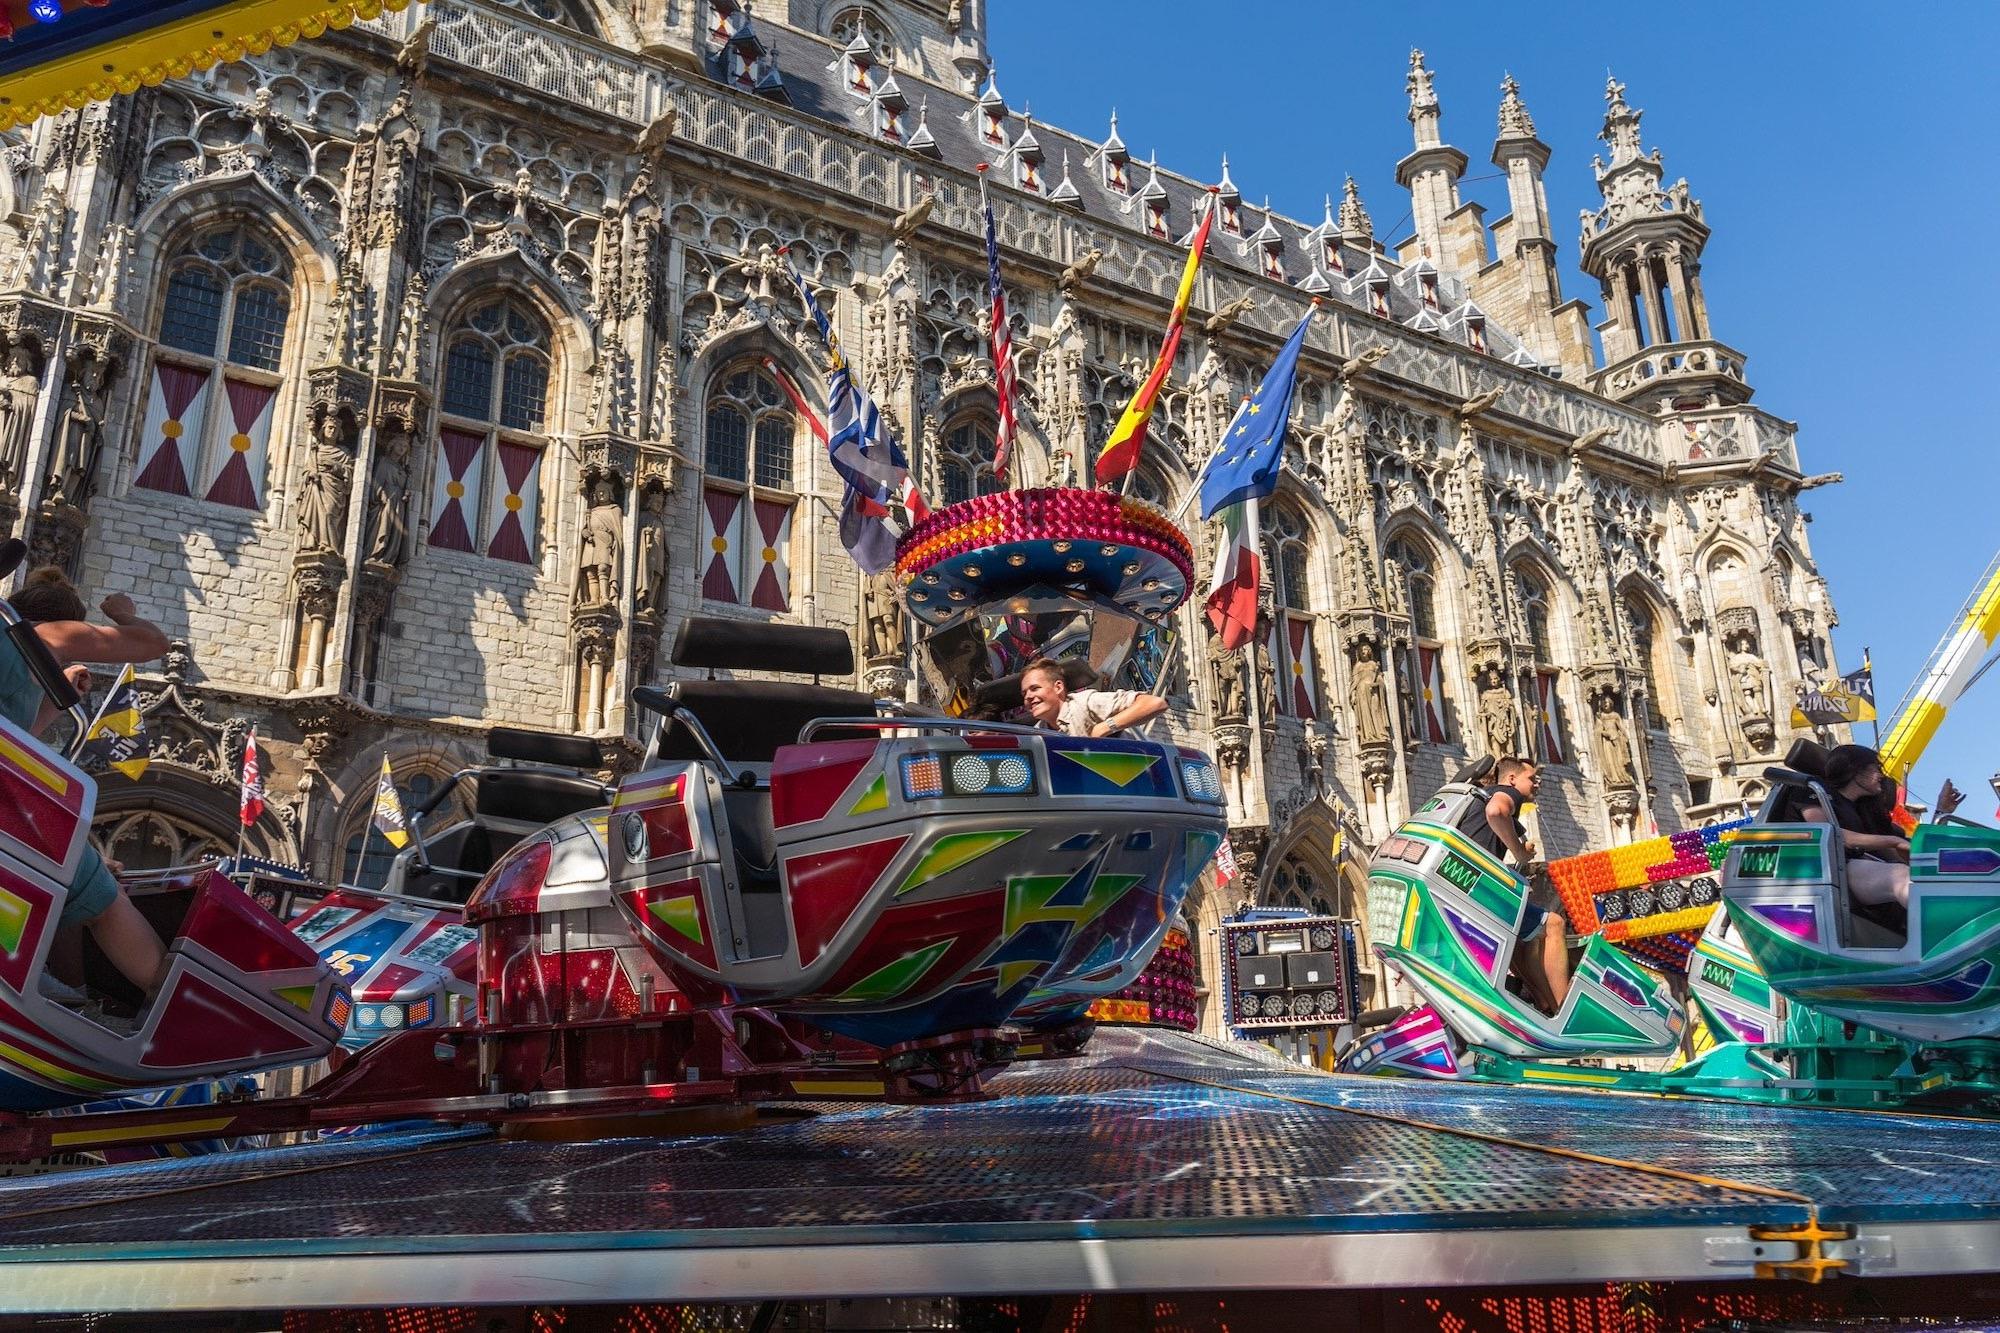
(1541, 958)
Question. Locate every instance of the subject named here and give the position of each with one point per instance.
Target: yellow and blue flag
(117, 738)
(388, 818)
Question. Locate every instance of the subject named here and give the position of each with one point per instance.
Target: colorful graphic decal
(1108, 770)
(826, 887)
(953, 851)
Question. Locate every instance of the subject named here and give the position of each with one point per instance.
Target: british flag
(252, 808)
(1002, 341)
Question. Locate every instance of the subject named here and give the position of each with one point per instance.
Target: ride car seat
(1859, 925)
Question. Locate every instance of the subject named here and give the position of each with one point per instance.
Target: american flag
(252, 808)
(1002, 341)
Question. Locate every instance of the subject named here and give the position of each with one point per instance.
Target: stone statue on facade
(387, 525)
(323, 491)
(1614, 744)
(80, 433)
(1370, 698)
(19, 390)
(1499, 718)
(600, 547)
(882, 618)
(1267, 673)
(649, 590)
(1752, 677)
(1226, 674)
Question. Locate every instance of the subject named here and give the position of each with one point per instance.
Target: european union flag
(1246, 463)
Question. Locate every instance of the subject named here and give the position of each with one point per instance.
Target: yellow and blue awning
(68, 53)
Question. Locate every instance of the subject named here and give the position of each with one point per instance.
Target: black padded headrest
(1807, 756)
(1477, 771)
(533, 794)
(750, 719)
(544, 747)
(755, 645)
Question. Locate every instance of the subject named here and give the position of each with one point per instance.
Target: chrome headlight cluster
(1202, 780)
(928, 777)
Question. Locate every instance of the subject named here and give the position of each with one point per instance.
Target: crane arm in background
(1954, 664)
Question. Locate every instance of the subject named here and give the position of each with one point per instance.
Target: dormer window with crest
(1427, 286)
(725, 16)
(1028, 160)
(857, 67)
(890, 109)
(1229, 203)
(1156, 218)
(1117, 162)
(1270, 248)
(1378, 297)
(992, 117)
(1475, 332)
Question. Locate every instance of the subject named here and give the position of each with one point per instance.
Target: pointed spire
(1355, 224)
(1227, 187)
(1424, 109)
(922, 140)
(1066, 192)
(1114, 145)
(1515, 122)
(1621, 124)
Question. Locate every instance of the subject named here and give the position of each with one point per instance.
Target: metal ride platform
(1153, 1163)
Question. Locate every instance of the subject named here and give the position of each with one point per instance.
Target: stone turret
(1644, 247)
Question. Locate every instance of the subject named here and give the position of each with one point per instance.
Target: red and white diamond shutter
(1430, 681)
(1304, 669)
(1548, 715)
(239, 474)
(514, 500)
(460, 459)
(724, 518)
(771, 558)
(172, 434)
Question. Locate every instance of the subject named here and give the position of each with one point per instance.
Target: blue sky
(1844, 162)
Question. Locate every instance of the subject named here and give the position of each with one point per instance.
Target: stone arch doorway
(174, 816)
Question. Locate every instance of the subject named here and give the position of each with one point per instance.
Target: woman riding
(1878, 855)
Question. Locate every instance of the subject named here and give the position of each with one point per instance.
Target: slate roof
(811, 70)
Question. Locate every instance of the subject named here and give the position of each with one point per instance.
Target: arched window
(1647, 646)
(216, 376)
(1533, 596)
(568, 13)
(748, 440)
(492, 418)
(856, 21)
(965, 465)
(1420, 673)
(1292, 648)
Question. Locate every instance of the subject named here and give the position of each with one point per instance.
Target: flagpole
(1874, 723)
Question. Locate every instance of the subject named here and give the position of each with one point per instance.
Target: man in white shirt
(1086, 712)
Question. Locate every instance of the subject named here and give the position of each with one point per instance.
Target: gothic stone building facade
(424, 376)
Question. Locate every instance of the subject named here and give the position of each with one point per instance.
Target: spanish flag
(1120, 453)
(388, 818)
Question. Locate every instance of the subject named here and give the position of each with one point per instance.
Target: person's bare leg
(1878, 882)
(1531, 966)
(129, 942)
(1555, 960)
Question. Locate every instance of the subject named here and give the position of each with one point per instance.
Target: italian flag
(1232, 589)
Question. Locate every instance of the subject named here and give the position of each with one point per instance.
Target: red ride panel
(204, 1025)
(806, 780)
(224, 921)
(41, 803)
(27, 912)
(825, 887)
